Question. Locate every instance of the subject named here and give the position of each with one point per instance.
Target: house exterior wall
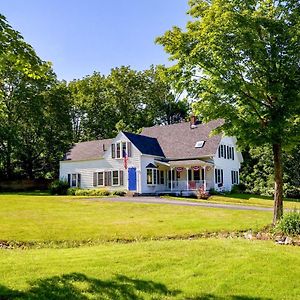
(107, 163)
(227, 165)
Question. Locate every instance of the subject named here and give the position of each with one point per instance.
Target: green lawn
(244, 199)
(66, 218)
(196, 269)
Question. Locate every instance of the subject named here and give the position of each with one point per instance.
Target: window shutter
(222, 176)
(129, 149)
(79, 180)
(121, 177)
(94, 179)
(113, 151)
(69, 179)
(219, 151)
(232, 153)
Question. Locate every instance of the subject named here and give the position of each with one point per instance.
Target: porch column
(171, 179)
(204, 179)
(187, 179)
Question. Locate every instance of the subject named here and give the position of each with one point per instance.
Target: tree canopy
(240, 59)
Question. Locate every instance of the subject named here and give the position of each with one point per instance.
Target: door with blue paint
(132, 179)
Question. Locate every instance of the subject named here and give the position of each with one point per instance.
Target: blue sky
(82, 36)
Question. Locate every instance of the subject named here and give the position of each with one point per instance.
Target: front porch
(185, 177)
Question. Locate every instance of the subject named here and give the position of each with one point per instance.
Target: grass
(244, 199)
(67, 218)
(197, 269)
(208, 269)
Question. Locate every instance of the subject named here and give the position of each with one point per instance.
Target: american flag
(125, 158)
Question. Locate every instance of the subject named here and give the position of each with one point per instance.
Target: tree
(20, 67)
(241, 60)
(34, 110)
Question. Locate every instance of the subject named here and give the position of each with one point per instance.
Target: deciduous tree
(240, 59)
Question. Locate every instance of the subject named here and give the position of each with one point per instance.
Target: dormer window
(200, 144)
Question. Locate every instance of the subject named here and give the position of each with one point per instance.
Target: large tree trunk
(278, 193)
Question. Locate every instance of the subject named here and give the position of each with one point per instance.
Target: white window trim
(98, 178)
(112, 178)
(152, 183)
(121, 149)
(237, 177)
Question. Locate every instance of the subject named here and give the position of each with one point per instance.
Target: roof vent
(200, 144)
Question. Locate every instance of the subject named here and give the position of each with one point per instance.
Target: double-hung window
(234, 177)
(152, 176)
(115, 178)
(219, 176)
(74, 180)
(100, 179)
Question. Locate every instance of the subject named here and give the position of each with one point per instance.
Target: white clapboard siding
(228, 165)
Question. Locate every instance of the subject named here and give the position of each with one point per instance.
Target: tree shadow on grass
(78, 286)
(233, 297)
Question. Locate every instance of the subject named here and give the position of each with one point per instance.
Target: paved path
(157, 200)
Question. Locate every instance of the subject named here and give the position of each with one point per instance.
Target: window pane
(124, 149)
(100, 178)
(149, 176)
(74, 180)
(115, 176)
(154, 176)
(118, 150)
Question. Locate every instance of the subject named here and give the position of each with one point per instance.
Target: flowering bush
(201, 193)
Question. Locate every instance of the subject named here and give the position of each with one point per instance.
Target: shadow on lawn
(78, 286)
(235, 297)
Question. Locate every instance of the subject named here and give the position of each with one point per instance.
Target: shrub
(72, 191)
(212, 191)
(119, 193)
(290, 223)
(59, 187)
(95, 192)
(238, 188)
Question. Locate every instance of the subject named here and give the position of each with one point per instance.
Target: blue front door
(132, 179)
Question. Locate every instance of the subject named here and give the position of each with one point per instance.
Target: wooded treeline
(41, 117)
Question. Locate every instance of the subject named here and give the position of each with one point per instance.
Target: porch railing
(183, 185)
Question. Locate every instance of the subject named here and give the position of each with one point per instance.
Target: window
(74, 180)
(100, 180)
(234, 177)
(149, 176)
(219, 176)
(118, 150)
(108, 178)
(124, 149)
(115, 177)
(153, 176)
(226, 152)
(113, 150)
(200, 144)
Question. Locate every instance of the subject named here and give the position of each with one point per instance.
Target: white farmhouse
(176, 158)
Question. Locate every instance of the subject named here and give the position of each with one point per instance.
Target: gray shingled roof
(88, 150)
(178, 140)
(175, 141)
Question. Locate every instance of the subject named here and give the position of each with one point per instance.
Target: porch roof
(184, 163)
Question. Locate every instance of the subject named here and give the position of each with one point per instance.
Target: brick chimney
(193, 121)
